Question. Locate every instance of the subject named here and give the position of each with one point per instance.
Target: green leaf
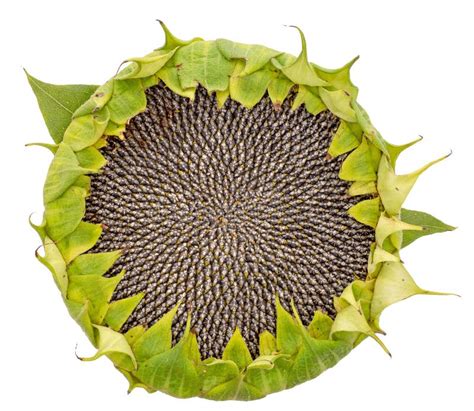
(79, 241)
(93, 263)
(235, 389)
(359, 294)
(157, 339)
(314, 357)
(300, 71)
(358, 165)
(320, 326)
(272, 379)
(310, 357)
(51, 147)
(345, 139)
(134, 382)
(370, 131)
(64, 214)
(91, 158)
(339, 78)
(265, 362)
(113, 129)
(375, 155)
(110, 341)
(141, 67)
(349, 323)
(84, 182)
(62, 173)
(359, 188)
(387, 226)
(339, 103)
(97, 100)
(80, 313)
(237, 351)
(312, 102)
(54, 261)
(84, 131)
(133, 334)
(278, 89)
(221, 97)
(202, 63)
(222, 379)
(128, 99)
(58, 102)
(96, 289)
(170, 77)
(174, 371)
(120, 310)
(217, 372)
(430, 224)
(249, 89)
(396, 150)
(255, 56)
(171, 41)
(394, 284)
(393, 188)
(267, 344)
(288, 333)
(366, 212)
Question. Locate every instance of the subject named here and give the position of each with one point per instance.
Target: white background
(415, 77)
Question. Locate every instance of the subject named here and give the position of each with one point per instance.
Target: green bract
(81, 117)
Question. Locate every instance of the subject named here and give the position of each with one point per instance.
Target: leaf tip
(351, 63)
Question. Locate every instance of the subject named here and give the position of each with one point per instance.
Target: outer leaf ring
(297, 353)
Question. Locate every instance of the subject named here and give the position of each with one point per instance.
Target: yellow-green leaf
(58, 102)
(430, 224)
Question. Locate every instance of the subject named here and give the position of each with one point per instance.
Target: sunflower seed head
(223, 209)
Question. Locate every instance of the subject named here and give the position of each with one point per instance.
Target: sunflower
(222, 219)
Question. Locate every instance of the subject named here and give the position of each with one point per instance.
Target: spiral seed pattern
(223, 209)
